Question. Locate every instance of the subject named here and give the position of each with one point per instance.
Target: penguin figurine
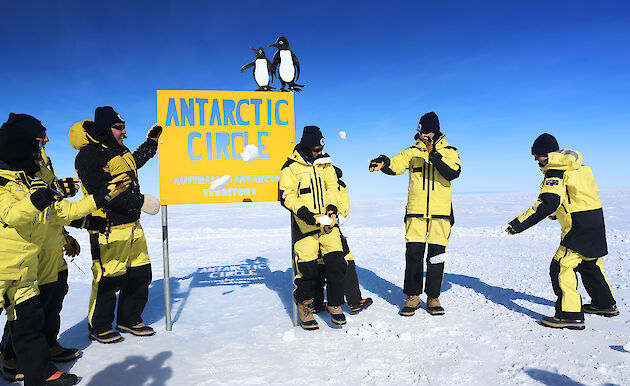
(262, 69)
(287, 64)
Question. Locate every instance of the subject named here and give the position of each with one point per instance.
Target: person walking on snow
(309, 189)
(120, 259)
(432, 165)
(569, 194)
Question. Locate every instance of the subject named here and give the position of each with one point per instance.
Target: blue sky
(497, 73)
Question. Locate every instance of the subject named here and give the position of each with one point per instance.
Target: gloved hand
(509, 230)
(553, 216)
(117, 185)
(428, 142)
(68, 186)
(382, 161)
(154, 132)
(306, 215)
(71, 247)
(102, 225)
(43, 195)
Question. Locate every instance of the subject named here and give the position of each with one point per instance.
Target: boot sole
(409, 313)
(127, 330)
(604, 314)
(66, 358)
(338, 322)
(106, 341)
(436, 312)
(309, 327)
(11, 375)
(563, 325)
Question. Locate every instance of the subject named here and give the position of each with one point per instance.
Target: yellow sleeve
(400, 163)
(344, 207)
(15, 212)
(65, 211)
(288, 190)
(332, 196)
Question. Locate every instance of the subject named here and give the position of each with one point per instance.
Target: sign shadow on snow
(135, 370)
(505, 297)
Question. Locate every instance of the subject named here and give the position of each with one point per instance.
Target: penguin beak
(253, 49)
(274, 45)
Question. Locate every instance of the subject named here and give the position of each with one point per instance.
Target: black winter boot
(607, 312)
(62, 379)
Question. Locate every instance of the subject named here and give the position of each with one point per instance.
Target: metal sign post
(167, 276)
(293, 269)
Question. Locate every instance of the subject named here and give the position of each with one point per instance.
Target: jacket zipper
(568, 197)
(313, 193)
(428, 190)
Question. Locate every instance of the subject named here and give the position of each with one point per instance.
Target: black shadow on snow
(498, 295)
(548, 378)
(135, 370)
(505, 297)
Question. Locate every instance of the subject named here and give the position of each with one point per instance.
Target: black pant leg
(105, 304)
(414, 269)
(554, 273)
(52, 296)
(595, 284)
(352, 291)
(435, 272)
(335, 277)
(134, 293)
(321, 282)
(30, 344)
(6, 346)
(305, 281)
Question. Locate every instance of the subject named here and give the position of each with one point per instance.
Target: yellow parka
(313, 186)
(23, 228)
(569, 190)
(429, 192)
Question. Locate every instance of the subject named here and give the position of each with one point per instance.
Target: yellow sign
(204, 137)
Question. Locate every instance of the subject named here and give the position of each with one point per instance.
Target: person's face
(317, 150)
(542, 160)
(119, 132)
(427, 135)
(42, 140)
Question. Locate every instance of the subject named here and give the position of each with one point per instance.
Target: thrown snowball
(342, 134)
(220, 182)
(250, 153)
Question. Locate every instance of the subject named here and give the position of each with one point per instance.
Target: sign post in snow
(220, 147)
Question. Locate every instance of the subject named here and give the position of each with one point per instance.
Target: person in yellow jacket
(27, 204)
(52, 275)
(309, 190)
(569, 194)
(120, 259)
(432, 164)
(352, 292)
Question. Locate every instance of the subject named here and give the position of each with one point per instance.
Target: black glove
(154, 132)
(71, 247)
(428, 142)
(331, 209)
(306, 215)
(68, 186)
(378, 163)
(43, 195)
(509, 230)
(93, 223)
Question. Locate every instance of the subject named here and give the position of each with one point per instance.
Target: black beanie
(104, 118)
(429, 123)
(544, 144)
(18, 142)
(312, 137)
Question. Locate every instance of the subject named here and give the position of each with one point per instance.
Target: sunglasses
(318, 149)
(119, 127)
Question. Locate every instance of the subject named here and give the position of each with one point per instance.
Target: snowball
(250, 153)
(324, 220)
(220, 182)
(342, 134)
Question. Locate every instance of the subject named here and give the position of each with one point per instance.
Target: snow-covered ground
(238, 329)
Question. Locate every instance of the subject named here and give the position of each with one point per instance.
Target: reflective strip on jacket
(429, 192)
(569, 190)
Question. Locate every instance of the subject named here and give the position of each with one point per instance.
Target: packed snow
(230, 271)
(250, 153)
(220, 182)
